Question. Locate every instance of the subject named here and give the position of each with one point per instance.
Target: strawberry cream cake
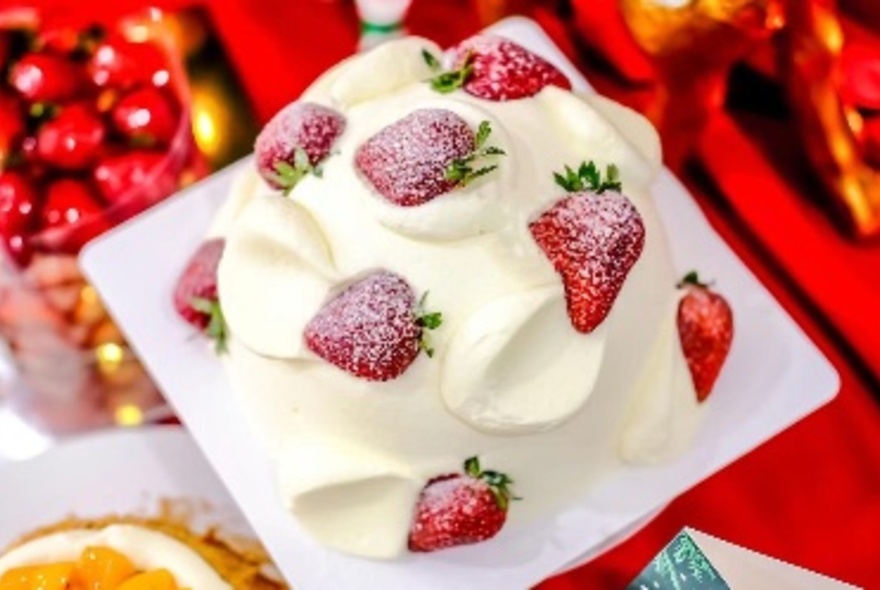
(446, 300)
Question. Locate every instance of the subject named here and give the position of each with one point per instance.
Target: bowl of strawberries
(94, 128)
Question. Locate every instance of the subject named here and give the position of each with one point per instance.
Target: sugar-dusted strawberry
(116, 175)
(705, 328)
(73, 139)
(18, 204)
(460, 509)
(147, 116)
(295, 141)
(68, 201)
(119, 63)
(497, 69)
(195, 295)
(44, 77)
(593, 237)
(374, 329)
(426, 154)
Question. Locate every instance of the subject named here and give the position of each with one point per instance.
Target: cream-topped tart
(129, 554)
(447, 299)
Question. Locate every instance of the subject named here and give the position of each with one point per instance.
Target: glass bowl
(70, 367)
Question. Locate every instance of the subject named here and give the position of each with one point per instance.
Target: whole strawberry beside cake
(447, 301)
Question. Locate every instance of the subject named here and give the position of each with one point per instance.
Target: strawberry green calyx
(462, 170)
(446, 82)
(589, 177)
(427, 321)
(41, 112)
(499, 483)
(431, 60)
(288, 175)
(692, 279)
(216, 329)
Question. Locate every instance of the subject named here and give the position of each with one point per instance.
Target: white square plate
(127, 472)
(773, 378)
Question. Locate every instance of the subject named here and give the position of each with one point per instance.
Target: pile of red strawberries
(84, 117)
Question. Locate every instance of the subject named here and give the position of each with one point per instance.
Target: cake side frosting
(510, 379)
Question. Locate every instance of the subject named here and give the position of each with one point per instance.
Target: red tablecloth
(810, 496)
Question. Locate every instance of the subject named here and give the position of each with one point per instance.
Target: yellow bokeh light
(109, 355)
(128, 415)
(206, 113)
(88, 294)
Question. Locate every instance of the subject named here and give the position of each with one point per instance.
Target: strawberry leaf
(589, 177)
(472, 467)
(288, 175)
(446, 82)
(427, 321)
(692, 279)
(431, 60)
(216, 329)
(483, 132)
(462, 170)
(499, 483)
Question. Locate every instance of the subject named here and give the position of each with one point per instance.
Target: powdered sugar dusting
(370, 329)
(199, 280)
(300, 125)
(593, 240)
(407, 161)
(504, 70)
(455, 510)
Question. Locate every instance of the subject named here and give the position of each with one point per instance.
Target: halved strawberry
(460, 509)
(496, 68)
(705, 328)
(593, 238)
(373, 329)
(295, 141)
(195, 295)
(426, 154)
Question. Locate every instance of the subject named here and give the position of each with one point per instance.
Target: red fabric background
(811, 496)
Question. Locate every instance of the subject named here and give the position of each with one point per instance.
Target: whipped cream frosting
(147, 549)
(511, 380)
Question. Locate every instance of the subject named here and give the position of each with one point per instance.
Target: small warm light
(206, 113)
(138, 33)
(128, 415)
(855, 121)
(110, 356)
(88, 295)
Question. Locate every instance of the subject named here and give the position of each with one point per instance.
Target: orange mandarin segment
(154, 580)
(56, 576)
(101, 568)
